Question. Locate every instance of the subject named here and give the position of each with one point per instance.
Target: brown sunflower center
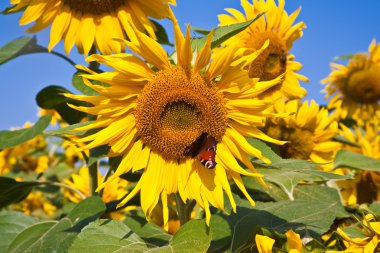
(175, 108)
(95, 7)
(363, 86)
(300, 140)
(272, 61)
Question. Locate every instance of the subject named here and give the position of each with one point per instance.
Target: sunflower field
(203, 143)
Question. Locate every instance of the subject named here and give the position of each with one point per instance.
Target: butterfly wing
(195, 147)
(207, 153)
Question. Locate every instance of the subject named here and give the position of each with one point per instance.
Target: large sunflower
(354, 90)
(309, 132)
(90, 22)
(153, 110)
(275, 61)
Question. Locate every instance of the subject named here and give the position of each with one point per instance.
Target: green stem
(94, 65)
(93, 171)
(181, 209)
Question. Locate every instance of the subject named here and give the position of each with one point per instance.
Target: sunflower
(275, 60)
(112, 192)
(354, 90)
(36, 204)
(365, 187)
(90, 22)
(265, 244)
(309, 131)
(152, 111)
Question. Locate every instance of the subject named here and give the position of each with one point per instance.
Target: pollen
(95, 7)
(175, 107)
(272, 61)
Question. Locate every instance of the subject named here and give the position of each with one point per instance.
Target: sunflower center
(175, 108)
(272, 61)
(363, 86)
(300, 140)
(95, 7)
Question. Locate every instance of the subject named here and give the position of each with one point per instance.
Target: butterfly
(204, 148)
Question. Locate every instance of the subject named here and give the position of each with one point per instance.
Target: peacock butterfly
(204, 148)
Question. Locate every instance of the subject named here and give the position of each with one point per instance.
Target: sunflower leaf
(78, 83)
(12, 223)
(13, 138)
(68, 130)
(348, 159)
(162, 36)
(287, 174)
(149, 232)
(222, 33)
(107, 236)
(193, 236)
(12, 191)
(303, 215)
(20, 46)
(58, 236)
(52, 97)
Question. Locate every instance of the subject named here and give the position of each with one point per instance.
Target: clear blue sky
(334, 28)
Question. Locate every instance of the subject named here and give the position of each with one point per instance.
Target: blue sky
(334, 28)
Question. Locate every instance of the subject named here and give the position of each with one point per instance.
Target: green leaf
(13, 138)
(12, 191)
(52, 97)
(344, 57)
(58, 236)
(107, 236)
(12, 223)
(287, 173)
(20, 46)
(343, 140)
(68, 130)
(78, 83)
(220, 234)
(347, 159)
(191, 237)
(149, 232)
(97, 153)
(200, 30)
(313, 214)
(162, 36)
(223, 33)
(265, 149)
(375, 208)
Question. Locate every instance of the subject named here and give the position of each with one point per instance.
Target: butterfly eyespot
(204, 148)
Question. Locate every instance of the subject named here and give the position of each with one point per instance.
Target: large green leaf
(223, 33)
(12, 191)
(265, 149)
(52, 97)
(13, 138)
(11, 224)
(314, 210)
(220, 232)
(287, 173)
(347, 159)
(20, 46)
(162, 36)
(151, 233)
(78, 83)
(68, 130)
(58, 236)
(106, 236)
(191, 237)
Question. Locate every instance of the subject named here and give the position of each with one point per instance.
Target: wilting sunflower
(90, 22)
(275, 60)
(309, 132)
(354, 90)
(365, 187)
(152, 111)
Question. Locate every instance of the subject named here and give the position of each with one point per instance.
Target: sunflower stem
(93, 171)
(94, 65)
(183, 214)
